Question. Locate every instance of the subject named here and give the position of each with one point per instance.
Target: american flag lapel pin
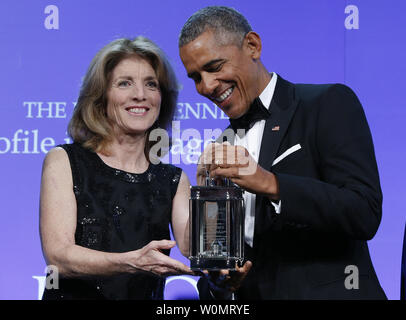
(275, 128)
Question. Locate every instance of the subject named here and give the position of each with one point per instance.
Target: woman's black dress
(117, 211)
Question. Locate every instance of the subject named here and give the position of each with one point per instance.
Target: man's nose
(208, 85)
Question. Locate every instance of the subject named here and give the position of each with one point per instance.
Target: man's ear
(252, 43)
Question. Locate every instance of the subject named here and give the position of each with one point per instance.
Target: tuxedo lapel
(282, 108)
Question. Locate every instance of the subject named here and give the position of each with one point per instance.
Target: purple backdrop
(46, 47)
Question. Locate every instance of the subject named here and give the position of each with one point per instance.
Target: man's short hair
(228, 25)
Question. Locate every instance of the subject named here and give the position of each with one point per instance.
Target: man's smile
(224, 95)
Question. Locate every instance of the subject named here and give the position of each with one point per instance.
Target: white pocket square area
(286, 153)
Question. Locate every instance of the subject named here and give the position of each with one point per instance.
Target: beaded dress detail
(117, 211)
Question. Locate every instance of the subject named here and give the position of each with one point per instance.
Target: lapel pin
(276, 128)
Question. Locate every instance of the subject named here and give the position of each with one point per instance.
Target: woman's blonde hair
(89, 124)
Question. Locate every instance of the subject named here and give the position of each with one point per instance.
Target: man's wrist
(272, 187)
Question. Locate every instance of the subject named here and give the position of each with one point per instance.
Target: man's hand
(235, 162)
(224, 282)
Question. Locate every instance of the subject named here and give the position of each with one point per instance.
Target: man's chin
(234, 113)
(228, 110)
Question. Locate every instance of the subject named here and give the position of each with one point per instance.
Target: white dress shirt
(252, 142)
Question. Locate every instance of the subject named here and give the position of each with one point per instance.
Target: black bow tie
(255, 113)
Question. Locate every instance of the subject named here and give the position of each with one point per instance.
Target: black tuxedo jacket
(330, 195)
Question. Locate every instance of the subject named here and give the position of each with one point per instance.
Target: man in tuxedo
(303, 153)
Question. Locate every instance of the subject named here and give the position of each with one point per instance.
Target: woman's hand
(151, 259)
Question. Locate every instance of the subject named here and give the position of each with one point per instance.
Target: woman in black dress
(106, 200)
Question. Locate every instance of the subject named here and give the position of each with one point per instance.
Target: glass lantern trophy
(216, 226)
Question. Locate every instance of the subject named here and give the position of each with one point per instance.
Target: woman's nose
(137, 92)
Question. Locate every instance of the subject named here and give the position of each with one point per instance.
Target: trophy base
(212, 264)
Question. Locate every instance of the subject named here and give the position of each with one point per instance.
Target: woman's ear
(252, 42)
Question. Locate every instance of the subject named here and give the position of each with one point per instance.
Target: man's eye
(216, 68)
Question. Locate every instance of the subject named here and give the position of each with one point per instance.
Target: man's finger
(231, 172)
(245, 268)
(241, 272)
(238, 276)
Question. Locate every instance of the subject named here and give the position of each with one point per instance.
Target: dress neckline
(104, 164)
(144, 177)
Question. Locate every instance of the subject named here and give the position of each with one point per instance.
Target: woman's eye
(124, 84)
(152, 84)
